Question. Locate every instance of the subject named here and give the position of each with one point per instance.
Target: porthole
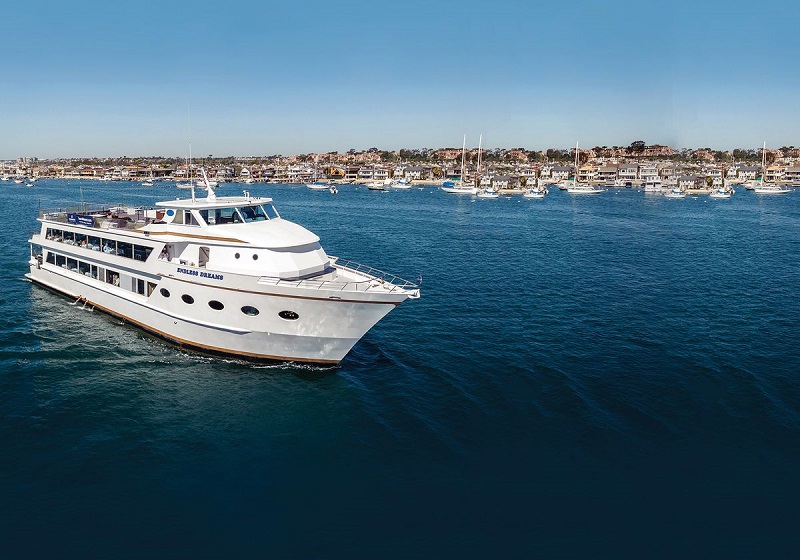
(288, 315)
(214, 304)
(236, 255)
(164, 292)
(250, 310)
(187, 298)
(255, 257)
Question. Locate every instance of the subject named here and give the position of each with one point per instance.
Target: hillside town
(504, 169)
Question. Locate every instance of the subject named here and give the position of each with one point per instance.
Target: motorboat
(221, 275)
(488, 192)
(536, 192)
(675, 193)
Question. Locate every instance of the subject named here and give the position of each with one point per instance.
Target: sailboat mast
(480, 143)
(463, 155)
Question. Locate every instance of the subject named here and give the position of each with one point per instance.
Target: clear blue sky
(108, 79)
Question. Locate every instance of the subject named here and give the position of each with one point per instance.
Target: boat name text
(200, 273)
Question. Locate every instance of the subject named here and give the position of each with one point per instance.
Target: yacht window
(250, 310)
(94, 243)
(214, 304)
(139, 286)
(270, 211)
(51, 258)
(164, 292)
(253, 214)
(125, 249)
(140, 253)
(110, 246)
(187, 298)
(227, 216)
(188, 218)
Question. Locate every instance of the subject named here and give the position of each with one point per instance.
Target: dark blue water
(612, 376)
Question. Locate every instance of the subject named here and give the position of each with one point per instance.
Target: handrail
(373, 278)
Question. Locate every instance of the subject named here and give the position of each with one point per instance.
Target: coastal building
(792, 175)
(774, 173)
(417, 174)
(607, 174)
(748, 172)
(629, 172)
(587, 174)
(648, 172)
(687, 182)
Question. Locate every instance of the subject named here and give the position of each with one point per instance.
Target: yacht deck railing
(373, 278)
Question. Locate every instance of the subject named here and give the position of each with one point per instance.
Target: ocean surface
(613, 376)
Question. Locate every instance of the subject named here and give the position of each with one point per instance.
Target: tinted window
(250, 310)
(290, 315)
(187, 298)
(164, 292)
(214, 304)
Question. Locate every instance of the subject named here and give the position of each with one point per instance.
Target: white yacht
(584, 188)
(223, 275)
(654, 186)
(771, 188)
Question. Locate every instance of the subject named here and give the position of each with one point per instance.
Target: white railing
(373, 278)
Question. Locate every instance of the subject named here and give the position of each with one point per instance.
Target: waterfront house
(504, 182)
(687, 182)
(560, 173)
(351, 173)
(648, 172)
(629, 172)
(792, 175)
(587, 174)
(748, 172)
(774, 174)
(607, 174)
(417, 174)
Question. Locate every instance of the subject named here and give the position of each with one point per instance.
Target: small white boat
(537, 192)
(333, 189)
(488, 193)
(675, 193)
(318, 186)
(147, 183)
(19, 181)
(459, 188)
(722, 193)
(402, 184)
(653, 185)
(377, 186)
(771, 189)
(584, 188)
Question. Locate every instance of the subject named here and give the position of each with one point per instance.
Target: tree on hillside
(637, 148)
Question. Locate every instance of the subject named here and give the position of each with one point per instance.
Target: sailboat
(489, 192)
(148, 182)
(317, 185)
(189, 184)
(581, 188)
(763, 188)
(459, 187)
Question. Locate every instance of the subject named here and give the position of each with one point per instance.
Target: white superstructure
(223, 275)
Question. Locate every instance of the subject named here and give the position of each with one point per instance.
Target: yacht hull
(324, 332)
